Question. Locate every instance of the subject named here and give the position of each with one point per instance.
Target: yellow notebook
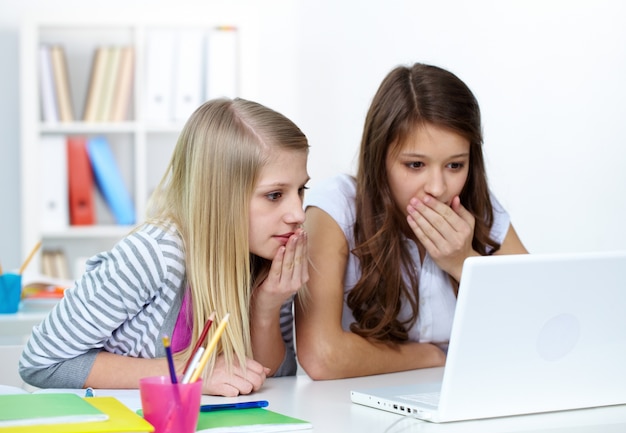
(121, 419)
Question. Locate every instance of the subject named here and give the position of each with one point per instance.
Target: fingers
(440, 216)
(304, 260)
(430, 223)
(295, 259)
(300, 269)
(442, 229)
(289, 270)
(288, 273)
(238, 381)
(461, 211)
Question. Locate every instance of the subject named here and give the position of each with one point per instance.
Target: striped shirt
(127, 299)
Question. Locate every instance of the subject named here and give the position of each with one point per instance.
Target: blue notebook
(110, 181)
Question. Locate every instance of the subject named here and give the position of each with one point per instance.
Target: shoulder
(501, 219)
(335, 196)
(163, 236)
(153, 249)
(343, 185)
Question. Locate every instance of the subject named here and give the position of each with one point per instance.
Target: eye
(274, 196)
(456, 165)
(414, 164)
(301, 190)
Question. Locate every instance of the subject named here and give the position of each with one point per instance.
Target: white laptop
(531, 333)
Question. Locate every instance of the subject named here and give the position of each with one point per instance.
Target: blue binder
(110, 182)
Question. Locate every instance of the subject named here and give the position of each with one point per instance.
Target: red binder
(80, 182)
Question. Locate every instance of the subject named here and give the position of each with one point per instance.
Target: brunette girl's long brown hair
(407, 98)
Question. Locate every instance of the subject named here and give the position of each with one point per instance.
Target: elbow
(33, 376)
(320, 361)
(314, 369)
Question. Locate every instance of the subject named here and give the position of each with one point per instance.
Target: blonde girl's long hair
(205, 193)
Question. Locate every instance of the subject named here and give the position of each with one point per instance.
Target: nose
(436, 184)
(294, 213)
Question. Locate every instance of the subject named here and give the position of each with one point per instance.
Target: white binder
(50, 113)
(158, 104)
(188, 73)
(54, 187)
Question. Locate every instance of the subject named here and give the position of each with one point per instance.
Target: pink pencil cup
(170, 408)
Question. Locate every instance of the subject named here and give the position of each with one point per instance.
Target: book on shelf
(108, 84)
(109, 180)
(94, 91)
(62, 83)
(54, 264)
(49, 112)
(54, 214)
(122, 90)
(80, 182)
(29, 410)
(222, 63)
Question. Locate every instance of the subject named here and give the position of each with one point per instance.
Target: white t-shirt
(437, 301)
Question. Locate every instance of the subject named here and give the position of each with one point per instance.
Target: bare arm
(267, 342)
(325, 350)
(511, 244)
(116, 371)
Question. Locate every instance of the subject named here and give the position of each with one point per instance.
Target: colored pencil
(170, 359)
(210, 348)
(200, 341)
(193, 365)
(29, 258)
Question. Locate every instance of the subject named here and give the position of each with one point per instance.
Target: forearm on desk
(117, 371)
(351, 355)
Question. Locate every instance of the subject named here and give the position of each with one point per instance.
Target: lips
(284, 237)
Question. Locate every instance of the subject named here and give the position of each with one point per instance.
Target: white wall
(551, 80)
(548, 75)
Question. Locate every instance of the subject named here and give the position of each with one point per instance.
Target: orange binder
(80, 182)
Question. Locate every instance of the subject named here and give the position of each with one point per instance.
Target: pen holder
(10, 293)
(170, 407)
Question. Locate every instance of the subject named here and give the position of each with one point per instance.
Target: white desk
(327, 405)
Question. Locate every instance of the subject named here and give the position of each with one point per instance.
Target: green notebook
(248, 420)
(46, 408)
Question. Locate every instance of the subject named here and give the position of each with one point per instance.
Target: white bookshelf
(142, 148)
